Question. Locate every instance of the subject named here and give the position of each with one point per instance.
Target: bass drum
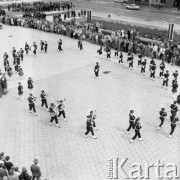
(32, 48)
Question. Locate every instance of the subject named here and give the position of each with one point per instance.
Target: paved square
(64, 153)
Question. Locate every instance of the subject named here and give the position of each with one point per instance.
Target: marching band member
(99, 50)
(130, 59)
(30, 84)
(89, 127)
(44, 100)
(31, 100)
(116, 51)
(27, 48)
(45, 46)
(61, 110)
(139, 60)
(20, 91)
(121, 58)
(174, 108)
(143, 67)
(108, 53)
(53, 115)
(173, 119)
(162, 114)
(131, 121)
(13, 52)
(42, 45)
(34, 48)
(175, 75)
(60, 46)
(166, 79)
(21, 52)
(96, 70)
(21, 73)
(153, 71)
(162, 67)
(174, 88)
(9, 71)
(137, 128)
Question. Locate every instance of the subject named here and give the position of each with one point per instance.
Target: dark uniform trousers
(44, 102)
(162, 121)
(165, 83)
(108, 55)
(34, 51)
(173, 126)
(96, 73)
(54, 118)
(32, 106)
(89, 129)
(120, 60)
(45, 49)
(152, 74)
(63, 113)
(131, 125)
(131, 64)
(137, 133)
(142, 70)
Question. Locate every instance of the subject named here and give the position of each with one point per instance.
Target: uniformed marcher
(21, 52)
(137, 128)
(174, 108)
(162, 114)
(34, 48)
(20, 91)
(116, 52)
(31, 100)
(89, 127)
(121, 58)
(99, 50)
(143, 66)
(45, 46)
(166, 79)
(153, 71)
(130, 59)
(175, 75)
(131, 121)
(53, 115)
(108, 53)
(162, 67)
(61, 109)
(139, 60)
(30, 84)
(174, 88)
(13, 52)
(96, 70)
(42, 45)
(44, 100)
(152, 63)
(27, 48)
(60, 45)
(173, 119)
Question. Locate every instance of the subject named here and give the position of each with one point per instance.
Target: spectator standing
(36, 171)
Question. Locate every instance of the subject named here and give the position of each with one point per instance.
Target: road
(168, 15)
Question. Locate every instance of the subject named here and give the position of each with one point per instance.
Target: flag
(89, 20)
(171, 32)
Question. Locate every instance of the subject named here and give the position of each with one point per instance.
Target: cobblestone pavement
(64, 153)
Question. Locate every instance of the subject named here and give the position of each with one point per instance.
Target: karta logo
(138, 171)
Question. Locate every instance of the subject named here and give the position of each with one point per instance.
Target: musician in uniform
(130, 59)
(26, 48)
(166, 79)
(174, 88)
(61, 109)
(20, 91)
(131, 121)
(60, 45)
(20, 72)
(53, 115)
(34, 48)
(175, 75)
(42, 45)
(137, 128)
(116, 51)
(89, 127)
(143, 66)
(30, 84)
(21, 52)
(108, 53)
(96, 70)
(31, 100)
(153, 71)
(44, 100)
(162, 67)
(13, 52)
(45, 46)
(121, 58)
(174, 108)
(152, 63)
(139, 60)
(173, 119)
(162, 114)
(99, 50)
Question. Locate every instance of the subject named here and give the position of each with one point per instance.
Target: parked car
(132, 7)
(121, 1)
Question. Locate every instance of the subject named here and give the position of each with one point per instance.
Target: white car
(121, 1)
(132, 7)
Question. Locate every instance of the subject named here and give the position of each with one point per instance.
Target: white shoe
(158, 128)
(140, 139)
(169, 136)
(58, 125)
(58, 118)
(50, 124)
(96, 128)
(127, 132)
(94, 137)
(131, 141)
(65, 119)
(47, 110)
(35, 114)
(85, 136)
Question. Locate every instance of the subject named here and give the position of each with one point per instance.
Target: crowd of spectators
(41, 6)
(8, 171)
